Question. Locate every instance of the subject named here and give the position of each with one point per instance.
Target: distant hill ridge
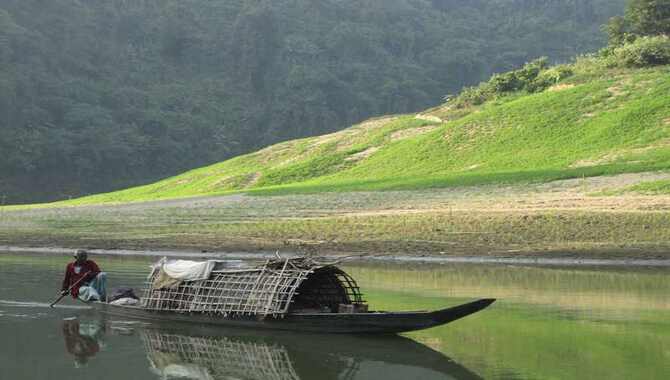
(598, 120)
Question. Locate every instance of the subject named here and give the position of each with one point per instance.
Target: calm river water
(549, 323)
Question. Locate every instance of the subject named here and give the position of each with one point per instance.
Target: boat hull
(371, 322)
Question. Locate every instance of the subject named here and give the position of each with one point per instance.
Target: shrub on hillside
(505, 82)
(532, 77)
(475, 95)
(550, 77)
(518, 79)
(643, 52)
(527, 74)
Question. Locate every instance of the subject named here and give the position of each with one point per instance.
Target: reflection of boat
(175, 354)
(201, 357)
(285, 294)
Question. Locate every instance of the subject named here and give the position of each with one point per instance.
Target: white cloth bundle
(186, 270)
(127, 301)
(170, 370)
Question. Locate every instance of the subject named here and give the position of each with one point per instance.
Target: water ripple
(12, 303)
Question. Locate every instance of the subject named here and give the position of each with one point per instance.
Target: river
(548, 323)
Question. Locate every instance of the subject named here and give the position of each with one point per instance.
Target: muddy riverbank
(561, 220)
(390, 258)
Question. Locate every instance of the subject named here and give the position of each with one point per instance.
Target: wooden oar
(69, 289)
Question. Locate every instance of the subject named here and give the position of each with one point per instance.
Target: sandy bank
(426, 259)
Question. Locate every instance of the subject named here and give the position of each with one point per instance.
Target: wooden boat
(368, 322)
(292, 294)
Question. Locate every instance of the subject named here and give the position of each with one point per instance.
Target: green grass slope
(598, 121)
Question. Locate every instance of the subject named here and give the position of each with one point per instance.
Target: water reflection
(180, 352)
(204, 358)
(550, 323)
(293, 356)
(82, 341)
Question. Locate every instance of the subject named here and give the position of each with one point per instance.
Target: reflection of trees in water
(207, 358)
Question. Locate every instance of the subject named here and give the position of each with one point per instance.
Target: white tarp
(126, 301)
(180, 371)
(186, 270)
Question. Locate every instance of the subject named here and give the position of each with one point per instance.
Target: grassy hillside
(513, 137)
(103, 95)
(597, 121)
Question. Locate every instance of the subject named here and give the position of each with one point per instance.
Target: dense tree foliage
(641, 37)
(643, 18)
(649, 17)
(101, 94)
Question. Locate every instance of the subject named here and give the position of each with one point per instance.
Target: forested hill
(97, 95)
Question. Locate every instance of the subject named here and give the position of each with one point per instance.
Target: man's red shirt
(75, 271)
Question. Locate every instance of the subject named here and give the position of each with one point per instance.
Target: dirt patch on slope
(348, 137)
(251, 179)
(616, 91)
(614, 156)
(431, 118)
(362, 155)
(596, 161)
(410, 132)
(560, 87)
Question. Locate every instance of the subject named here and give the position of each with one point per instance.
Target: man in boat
(85, 279)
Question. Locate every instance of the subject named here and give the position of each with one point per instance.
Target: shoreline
(390, 258)
(556, 223)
